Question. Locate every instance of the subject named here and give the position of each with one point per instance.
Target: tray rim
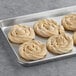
(34, 15)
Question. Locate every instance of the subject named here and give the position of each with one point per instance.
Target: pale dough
(21, 33)
(69, 22)
(60, 44)
(46, 28)
(32, 50)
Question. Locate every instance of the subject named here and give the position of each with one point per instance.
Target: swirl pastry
(60, 44)
(69, 22)
(74, 38)
(46, 28)
(21, 33)
(32, 50)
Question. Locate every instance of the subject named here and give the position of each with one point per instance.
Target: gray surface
(8, 65)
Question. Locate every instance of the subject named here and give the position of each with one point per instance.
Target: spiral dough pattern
(46, 28)
(69, 22)
(60, 44)
(21, 33)
(32, 50)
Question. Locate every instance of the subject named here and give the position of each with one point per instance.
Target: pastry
(21, 33)
(46, 28)
(69, 22)
(60, 44)
(74, 38)
(32, 50)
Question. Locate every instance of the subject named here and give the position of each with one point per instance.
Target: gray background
(8, 65)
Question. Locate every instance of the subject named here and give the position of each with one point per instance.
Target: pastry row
(58, 41)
